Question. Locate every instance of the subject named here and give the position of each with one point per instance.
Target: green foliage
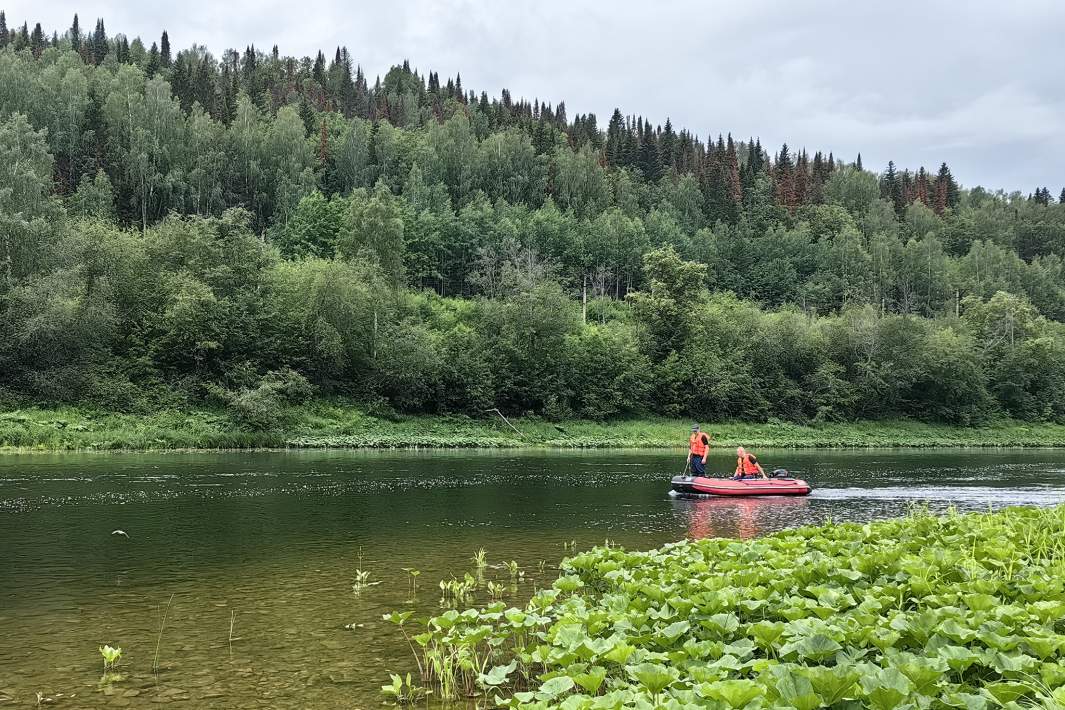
(168, 226)
(954, 611)
(264, 406)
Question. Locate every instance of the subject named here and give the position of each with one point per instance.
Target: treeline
(253, 229)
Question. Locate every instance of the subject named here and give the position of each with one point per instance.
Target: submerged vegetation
(961, 611)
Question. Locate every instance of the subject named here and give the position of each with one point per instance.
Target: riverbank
(328, 424)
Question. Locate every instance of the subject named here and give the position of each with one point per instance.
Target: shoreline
(331, 425)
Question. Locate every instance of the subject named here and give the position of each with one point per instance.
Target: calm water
(270, 542)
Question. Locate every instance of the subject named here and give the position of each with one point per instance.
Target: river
(251, 557)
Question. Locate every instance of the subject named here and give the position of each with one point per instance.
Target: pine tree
(1061, 198)
(858, 162)
(122, 50)
(22, 39)
(75, 34)
(5, 36)
(164, 51)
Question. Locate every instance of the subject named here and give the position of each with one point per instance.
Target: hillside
(252, 231)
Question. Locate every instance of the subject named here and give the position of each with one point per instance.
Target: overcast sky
(978, 84)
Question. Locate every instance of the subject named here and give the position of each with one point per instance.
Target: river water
(251, 557)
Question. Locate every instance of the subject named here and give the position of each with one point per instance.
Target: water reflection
(740, 517)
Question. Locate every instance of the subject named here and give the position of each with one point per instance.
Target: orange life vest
(746, 466)
(698, 443)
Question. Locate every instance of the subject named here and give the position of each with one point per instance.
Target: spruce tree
(783, 177)
(152, 67)
(37, 40)
(318, 72)
(650, 160)
(858, 162)
(5, 36)
(921, 187)
(667, 145)
(953, 191)
(614, 140)
(732, 175)
(99, 42)
(75, 34)
(164, 51)
(1061, 199)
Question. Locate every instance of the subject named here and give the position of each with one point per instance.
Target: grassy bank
(951, 612)
(329, 424)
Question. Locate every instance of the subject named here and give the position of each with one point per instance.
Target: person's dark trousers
(698, 469)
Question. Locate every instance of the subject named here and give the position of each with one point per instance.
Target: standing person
(698, 448)
(747, 465)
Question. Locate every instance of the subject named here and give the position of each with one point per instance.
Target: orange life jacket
(746, 466)
(699, 443)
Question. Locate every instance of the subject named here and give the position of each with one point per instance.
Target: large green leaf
(655, 677)
(737, 693)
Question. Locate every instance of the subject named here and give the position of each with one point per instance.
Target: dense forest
(255, 229)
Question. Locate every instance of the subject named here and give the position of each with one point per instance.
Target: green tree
(666, 307)
(376, 232)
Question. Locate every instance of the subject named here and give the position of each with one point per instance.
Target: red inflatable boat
(775, 486)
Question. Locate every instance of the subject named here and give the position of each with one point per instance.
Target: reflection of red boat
(776, 486)
(739, 516)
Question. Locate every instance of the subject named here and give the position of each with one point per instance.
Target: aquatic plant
(111, 656)
(516, 572)
(962, 611)
(402, 690)
(159, 638)
(455, 591)
(412, 580)
(495, 590)
(480, 559)
(362, 581)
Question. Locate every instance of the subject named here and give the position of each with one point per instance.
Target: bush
(265, 407)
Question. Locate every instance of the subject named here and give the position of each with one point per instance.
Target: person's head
(695, 428)
(741, 452)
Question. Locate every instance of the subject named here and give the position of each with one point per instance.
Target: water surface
(269, 542)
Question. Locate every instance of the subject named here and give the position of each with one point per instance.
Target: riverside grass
(960, 611)
(325, 424)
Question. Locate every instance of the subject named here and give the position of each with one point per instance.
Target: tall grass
(322, 424)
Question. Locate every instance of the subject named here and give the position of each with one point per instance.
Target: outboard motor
(781, 473)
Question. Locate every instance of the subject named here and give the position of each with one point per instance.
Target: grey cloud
(975, 84)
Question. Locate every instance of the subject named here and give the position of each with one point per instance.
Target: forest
(254, 230)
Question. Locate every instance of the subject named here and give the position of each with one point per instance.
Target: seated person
(747, 465)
